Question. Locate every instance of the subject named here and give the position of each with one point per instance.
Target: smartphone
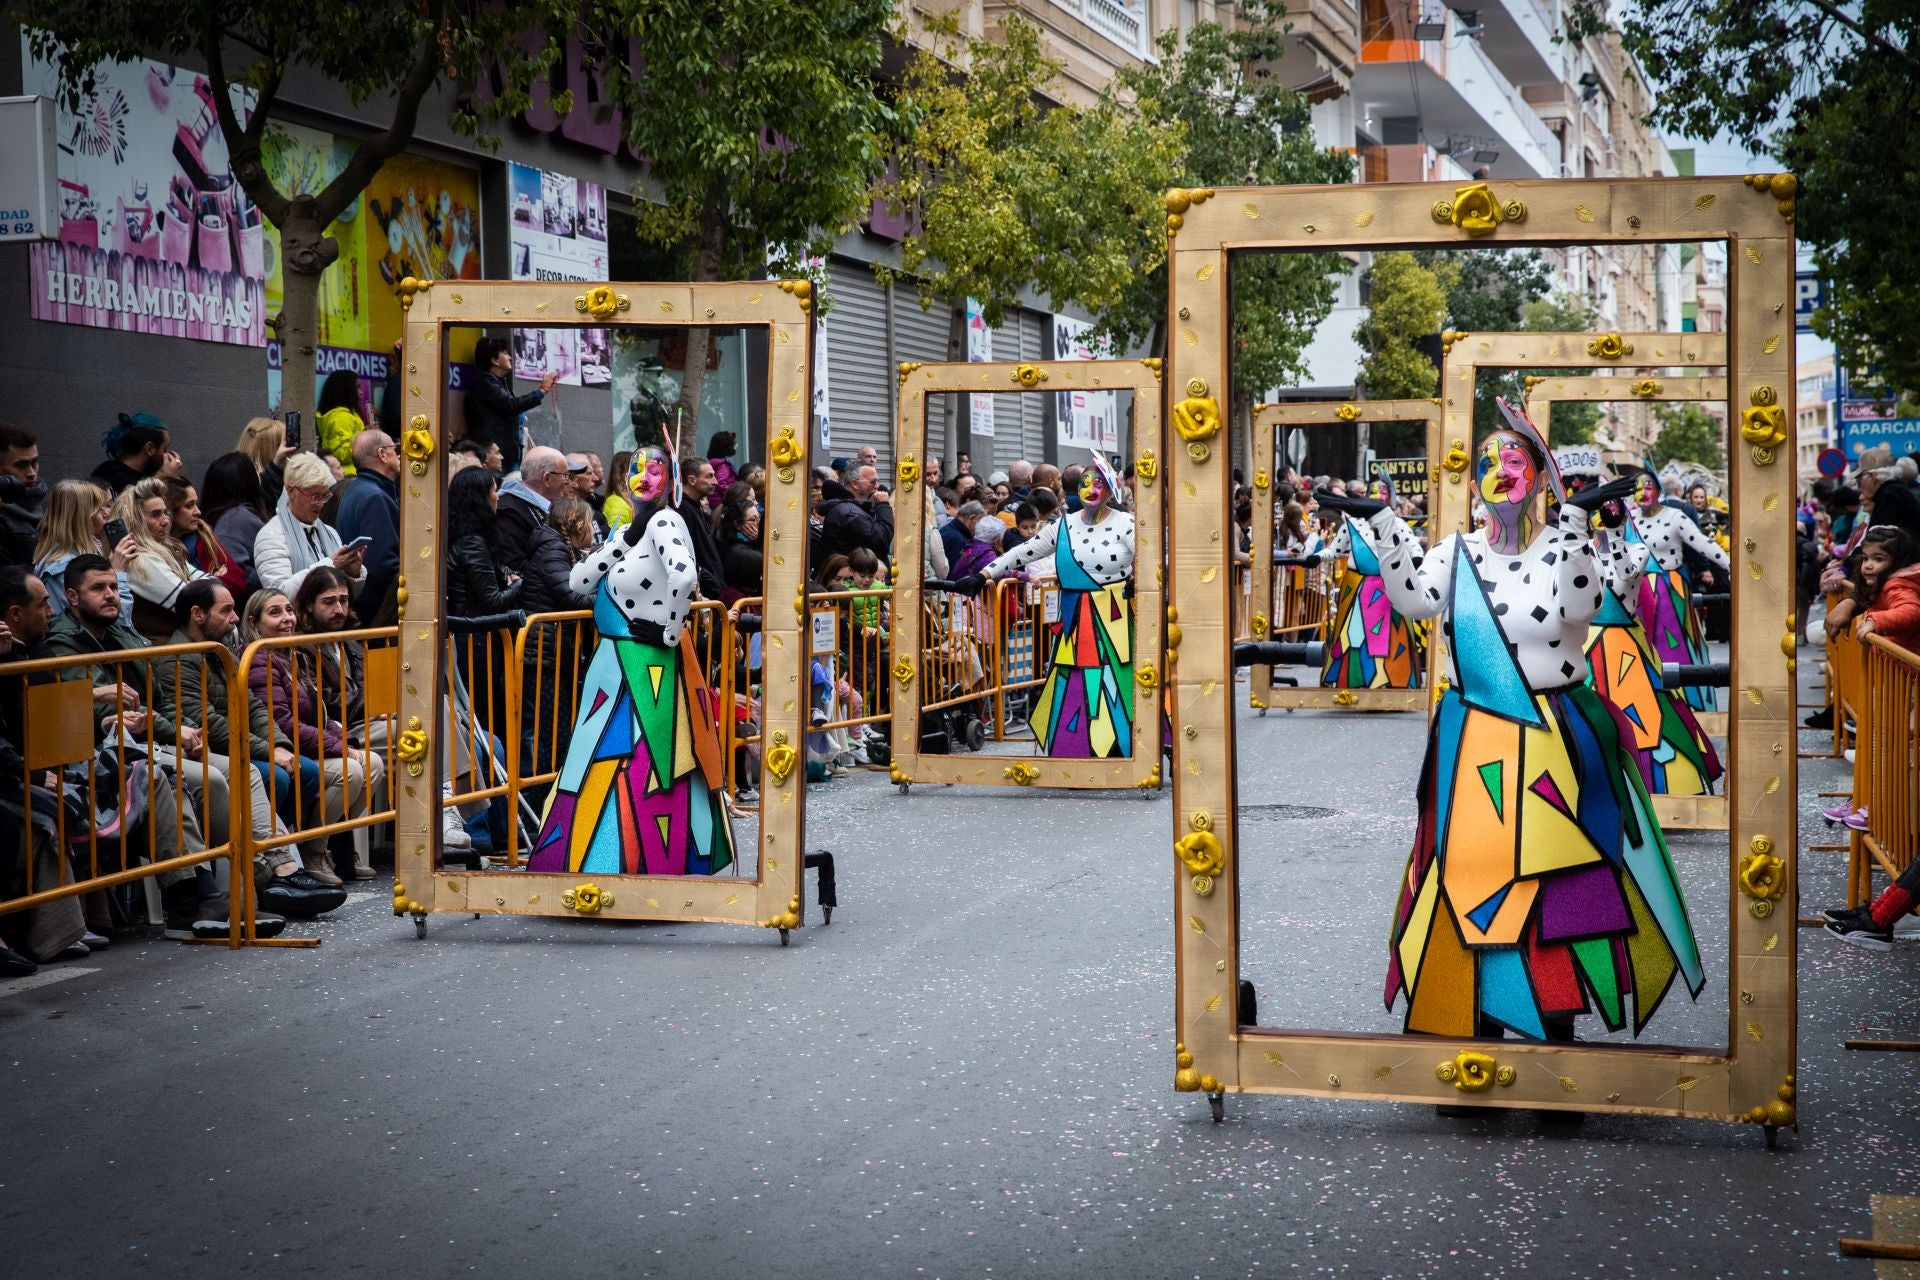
(293, 428)
(115, 533)
(360, 543)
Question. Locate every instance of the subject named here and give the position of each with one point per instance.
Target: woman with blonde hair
(73, 524)
(264, 441)
(159, 566)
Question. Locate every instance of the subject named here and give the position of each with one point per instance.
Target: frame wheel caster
(1217, 1103)
(1773, 1136)
(783, 937)
(420, 926)
(904, 788)
(1261, 712)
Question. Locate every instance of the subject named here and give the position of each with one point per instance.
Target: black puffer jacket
(548, 568)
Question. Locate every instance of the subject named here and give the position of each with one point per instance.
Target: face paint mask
(1092, 491)
(647, 475)
(1645, 491)
(1505, 471)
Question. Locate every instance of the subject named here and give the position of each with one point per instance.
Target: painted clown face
(1646, 491)
(1093, 488)
(1505, 471)
(1380, 491)
(647, 475)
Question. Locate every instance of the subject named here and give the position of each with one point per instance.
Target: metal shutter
(857, 372)
(1033, 409)
(925, 337)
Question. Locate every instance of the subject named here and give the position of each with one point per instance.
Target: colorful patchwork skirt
(1369, 646)
(640, 790)
(1675, 755)
(1085, 706)
(1539, 886)
(1667, 615)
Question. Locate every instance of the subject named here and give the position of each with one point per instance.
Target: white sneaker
(1907, 926)
(453, 832)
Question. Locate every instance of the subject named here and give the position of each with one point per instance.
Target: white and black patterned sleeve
(1621, 566)
(1416, 586)
(586, 575)
(1575, 581)
(1038, 547)
(1696, 538)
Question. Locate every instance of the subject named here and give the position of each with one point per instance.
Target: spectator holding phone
(493, 411)
(265, 442)
(296, 538)
(78, 522)
(159, 566)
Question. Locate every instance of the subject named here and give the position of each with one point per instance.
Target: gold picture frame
(772, 898)
(1140, 769)
(1268, 421)
(1682, 813)
(1753, 1077)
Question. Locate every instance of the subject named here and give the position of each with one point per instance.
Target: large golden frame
(917, 383)
(1753, 1078)
(1268, 420)
(1708, 813)
(784, 310)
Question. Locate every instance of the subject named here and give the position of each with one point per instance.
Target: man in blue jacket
(370, 508)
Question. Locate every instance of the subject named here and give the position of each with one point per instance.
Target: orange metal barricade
(851, 638)
(58, 709)
(1300, 604)
(1886, 702)
(1846, 669)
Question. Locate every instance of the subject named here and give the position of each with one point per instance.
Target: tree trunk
(305, 251)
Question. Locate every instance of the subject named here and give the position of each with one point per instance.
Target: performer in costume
(1666, 600)
(1539, 886)
(1085, 706)
(640, 792)
(1369, 645)
(1674, 753)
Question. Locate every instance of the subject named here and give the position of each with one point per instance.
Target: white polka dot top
(649, 582)
(1104, 550)
(1667, 531)
(1542, 598)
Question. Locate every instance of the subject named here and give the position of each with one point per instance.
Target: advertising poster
(1408, 475)
(1084, 419)
(1901, 435)
(979, 348)
(558, 230)
(155, 235)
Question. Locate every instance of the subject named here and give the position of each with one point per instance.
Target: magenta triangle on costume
(550, 850)
(1582, 904)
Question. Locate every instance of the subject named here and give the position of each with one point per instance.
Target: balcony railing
(1122, 21)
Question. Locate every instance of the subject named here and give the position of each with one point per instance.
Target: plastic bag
(540, 425)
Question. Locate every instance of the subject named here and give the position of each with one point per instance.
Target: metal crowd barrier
(60, 714)
(1884, 774)
(1301, 585)
(980, 653)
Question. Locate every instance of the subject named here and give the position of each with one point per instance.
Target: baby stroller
(954, 669)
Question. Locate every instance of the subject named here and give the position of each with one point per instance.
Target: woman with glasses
(296, 539)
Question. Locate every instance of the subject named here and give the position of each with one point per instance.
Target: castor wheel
(1217, 1103)
(420, 926)
(1261, 712)
(783, 937)
(1773, 1136)
(903, 787)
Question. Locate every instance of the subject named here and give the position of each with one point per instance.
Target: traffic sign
(1831, 463)
(1900, 435)
(1809, 296)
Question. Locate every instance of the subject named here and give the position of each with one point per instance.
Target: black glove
(1358, 508)
(971, 585)
(1598, 496)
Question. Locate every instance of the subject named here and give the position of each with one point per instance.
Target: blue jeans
(281, 783)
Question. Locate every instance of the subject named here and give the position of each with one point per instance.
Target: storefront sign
(979, 348)
(1084, 419)
(29, 174)
(558, 230)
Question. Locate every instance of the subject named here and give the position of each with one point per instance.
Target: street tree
(1573, 421)
(1832, 92)
(1400, 337)
(764, 129)
(388, 58)
(1239, 125)
(1011, 190)
(1688, 433)
(1488, 289)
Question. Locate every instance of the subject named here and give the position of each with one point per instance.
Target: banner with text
(1083, 419)
(558, 229)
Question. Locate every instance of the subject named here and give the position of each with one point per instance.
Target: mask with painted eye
(1093, 490)
(1380, 491)
(648, 474)
(1099, 486)
(1646, 490)
(1505, 471)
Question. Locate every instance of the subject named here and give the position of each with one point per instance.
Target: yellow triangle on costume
(683, 761)
(1413, 942)
(1112, 601)
(665, 823)
(1550, 838)
(654, 673)
(594, 790)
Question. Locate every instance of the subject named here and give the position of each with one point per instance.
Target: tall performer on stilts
(1085, 706)
(1674, 753)
(1539, 886)
(641, 790)
(1369, 644)
(1666, 600)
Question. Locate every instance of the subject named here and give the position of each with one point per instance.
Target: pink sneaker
(1856, 820)
(1839, 812)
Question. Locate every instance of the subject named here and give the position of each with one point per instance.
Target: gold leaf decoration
(1753, 254)
(1754, 570)
(1381, 1073)
(1754, 695)
(1705, 202)
(1771, 345)
(1205, 272)
(1213, 1002)
(1770, 503)
(1773, 784)
(1773, 940)
(1220, 966)
(1567, 1085)
(1755, 1030)
(1364, 218)
(1208, 574)
(1583, 213)
(1189, 337)
(1685, 1083)
(1251, 210)
(1275, 1059)
(1196, 924)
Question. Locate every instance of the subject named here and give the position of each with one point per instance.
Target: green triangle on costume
(1490, 777)
(1594, 956)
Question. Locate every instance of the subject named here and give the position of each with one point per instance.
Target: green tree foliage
(1688, 433)
(1574, 422)
(388, 58)
(1241, 126)
(1011, 191)
(1406, 304)
(1488, 289)
(764, 129)
(1833, 93)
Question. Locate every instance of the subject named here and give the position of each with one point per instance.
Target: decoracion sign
(1579, 460)
(155, 236)
(1409, 475)
(558, 230)
(1084, 419)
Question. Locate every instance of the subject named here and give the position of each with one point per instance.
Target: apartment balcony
(1124, 22)
(1408, 162)
(1323, 46)
(1449, 88)
(1518, 36)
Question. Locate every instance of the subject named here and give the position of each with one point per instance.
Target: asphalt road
(967, 1074)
